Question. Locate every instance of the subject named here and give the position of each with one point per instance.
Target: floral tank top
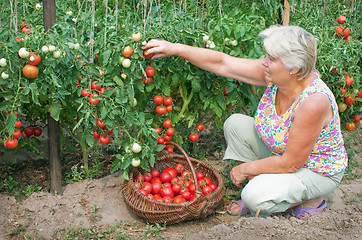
(328, 156)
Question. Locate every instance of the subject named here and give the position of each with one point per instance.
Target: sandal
(301, 212)
(242, 210)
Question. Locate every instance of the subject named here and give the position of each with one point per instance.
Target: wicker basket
(159, 212)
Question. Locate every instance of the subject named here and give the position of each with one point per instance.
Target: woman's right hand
(160, 48)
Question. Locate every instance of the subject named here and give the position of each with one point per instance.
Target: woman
(292, 152)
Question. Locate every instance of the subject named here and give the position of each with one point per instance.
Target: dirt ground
(100, 203)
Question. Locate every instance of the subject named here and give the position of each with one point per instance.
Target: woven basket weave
(153, 211)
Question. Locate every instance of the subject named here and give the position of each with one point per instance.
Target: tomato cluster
(103, 138)
(29, 131)
(341, 31)
(150, 71)
(173, 185)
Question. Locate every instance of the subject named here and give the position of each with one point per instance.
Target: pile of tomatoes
(173, 185)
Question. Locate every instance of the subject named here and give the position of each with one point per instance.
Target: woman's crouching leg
(272, 193)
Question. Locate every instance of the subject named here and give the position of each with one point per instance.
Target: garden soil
(99, 203)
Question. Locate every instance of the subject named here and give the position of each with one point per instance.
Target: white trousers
(271, 193)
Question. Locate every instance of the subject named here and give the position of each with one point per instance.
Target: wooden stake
(286, 13)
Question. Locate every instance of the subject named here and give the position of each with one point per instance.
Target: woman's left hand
(237, 175)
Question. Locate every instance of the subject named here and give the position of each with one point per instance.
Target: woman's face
(275, 71)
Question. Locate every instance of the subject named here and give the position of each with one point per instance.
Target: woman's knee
(236, 121)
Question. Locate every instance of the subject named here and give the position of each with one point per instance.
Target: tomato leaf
(125, 175)
(34, 93)
(116, 165)
(54, 110)
(10, 123)
(106, 54)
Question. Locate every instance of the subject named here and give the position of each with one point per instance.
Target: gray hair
(294, 46)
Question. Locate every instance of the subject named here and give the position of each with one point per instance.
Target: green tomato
(126, 63)
(135, 162)
(136, 148)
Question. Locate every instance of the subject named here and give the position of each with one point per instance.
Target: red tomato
(175, 180)
(170, 131)
(96, 134)
(18, 124)
(207, 180)
(200, 175)
(167, 101)
(160, 141)
(186, 183)
(346, 32)
(104, 140)
(226, 90)
(161, 110)
(206, 190)
(86, 92)
(343, 90)
(166, 138)
(93, 100)
(147, 176)
(186, 195)
(140, 178)
(156, 187)
(147, 187)
(37, 131)
(350, 126)
(194, 137)
(356, 118)
(155, 179)
(171, 171)
(29, 131)
(150, 196)
(167, 191)
(167, 184)
(338, 31)
(17, 134)
(341, 19)
(192, 188)
(179, 199)
(350, 99)
(150, 71)
(10, 143)
(169, 108)
(186, 174)
(179, 168)
(192, 197)
(138, 185)
(167, 123)
(200, 127)
(349, 80)
(95, 87)
(100, 124)
(155, 173)
(165, 177)
(176, 188)
(148, 81)
(147, 55)
(158, 197)
(36, 61)
(158, 99)
(168, 199)
(158, 130)
(202, 183)
(213, 186)
(169, 149)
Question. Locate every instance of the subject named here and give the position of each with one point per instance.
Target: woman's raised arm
(249, 71)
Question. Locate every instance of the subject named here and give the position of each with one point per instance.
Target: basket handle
(188, 161)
